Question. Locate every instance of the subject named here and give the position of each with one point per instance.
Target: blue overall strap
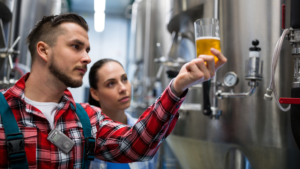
(14, 138)
(88, 150)
(117, 165)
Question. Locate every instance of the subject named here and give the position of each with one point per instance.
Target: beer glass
(207, 36)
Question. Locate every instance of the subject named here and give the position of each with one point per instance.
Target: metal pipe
(11, 49)
(214, 82)
(146, 47)
(221, 95)
(9, 65)
(14, 43)
(215, 112)
(216, 9)
(12, 25)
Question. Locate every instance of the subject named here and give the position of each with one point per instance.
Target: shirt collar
(18, 91)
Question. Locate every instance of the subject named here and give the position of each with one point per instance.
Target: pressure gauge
(231, 79)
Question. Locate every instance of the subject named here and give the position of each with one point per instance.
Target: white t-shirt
(47, 108)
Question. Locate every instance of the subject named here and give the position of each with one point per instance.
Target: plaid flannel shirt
(115, 142)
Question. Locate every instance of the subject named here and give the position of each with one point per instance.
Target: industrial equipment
(17, 18)
(293, 35)
(250, 132)
(7, 42)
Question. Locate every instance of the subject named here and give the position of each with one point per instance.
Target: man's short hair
(47, 30)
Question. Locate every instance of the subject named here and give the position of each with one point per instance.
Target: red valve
(283, 16)
(285, 100)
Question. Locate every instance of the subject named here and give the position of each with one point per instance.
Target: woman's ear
(94, 94)
(43, 50)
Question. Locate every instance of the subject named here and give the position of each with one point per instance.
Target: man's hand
(196, 71)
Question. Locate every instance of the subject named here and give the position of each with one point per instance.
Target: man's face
(69, 57)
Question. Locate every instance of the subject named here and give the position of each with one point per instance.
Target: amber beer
(204, 44)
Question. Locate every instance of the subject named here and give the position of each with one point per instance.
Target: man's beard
(67, 80)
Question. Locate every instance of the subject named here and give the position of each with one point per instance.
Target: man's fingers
(193, 67)
(200, 62)
(210, 61)
(220, 56)
(197, 71)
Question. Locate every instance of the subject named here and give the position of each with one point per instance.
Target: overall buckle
(15, 147)
(89, 148)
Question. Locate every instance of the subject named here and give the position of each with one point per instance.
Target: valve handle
(283, 16)
(255, 43)
(286, 100)
(206, 99)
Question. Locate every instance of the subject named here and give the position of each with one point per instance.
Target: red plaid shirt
(115, 142)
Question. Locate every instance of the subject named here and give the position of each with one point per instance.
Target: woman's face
(114, 89)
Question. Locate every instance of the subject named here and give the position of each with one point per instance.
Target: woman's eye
(110, 84)
(125, 79)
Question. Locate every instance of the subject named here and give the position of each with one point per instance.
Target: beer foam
(208, 37)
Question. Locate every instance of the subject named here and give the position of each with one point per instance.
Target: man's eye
(75, 46)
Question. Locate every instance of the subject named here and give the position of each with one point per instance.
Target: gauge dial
(231, 79)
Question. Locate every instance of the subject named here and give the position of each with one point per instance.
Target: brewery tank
(32, 11)
(149, 40)
(19, 17)
(148, 29)
(251, 132)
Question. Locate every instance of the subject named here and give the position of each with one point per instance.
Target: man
(40, 101)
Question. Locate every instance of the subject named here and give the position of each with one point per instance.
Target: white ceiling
(113, 7)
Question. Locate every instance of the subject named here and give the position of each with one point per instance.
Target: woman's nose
(122, 87)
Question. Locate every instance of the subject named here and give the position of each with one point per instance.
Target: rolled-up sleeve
(116, 142)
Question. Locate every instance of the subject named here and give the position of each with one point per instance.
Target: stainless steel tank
(23, 16)
(148, 28)
(7, 17)
(149, 40)
(31, 11)
(251, 132)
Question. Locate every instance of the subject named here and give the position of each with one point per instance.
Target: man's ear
(43, 50)
(94, 94)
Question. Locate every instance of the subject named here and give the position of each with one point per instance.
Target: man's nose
(86, 59)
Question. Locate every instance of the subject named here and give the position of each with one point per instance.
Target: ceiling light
(99, 5)
(99, 21)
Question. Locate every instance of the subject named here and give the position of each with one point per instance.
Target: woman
(111, 90)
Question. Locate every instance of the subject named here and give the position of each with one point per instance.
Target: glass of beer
(207, 36)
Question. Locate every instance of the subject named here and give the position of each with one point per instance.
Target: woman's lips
(124, 99)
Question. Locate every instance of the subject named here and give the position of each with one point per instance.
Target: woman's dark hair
(93, 78)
